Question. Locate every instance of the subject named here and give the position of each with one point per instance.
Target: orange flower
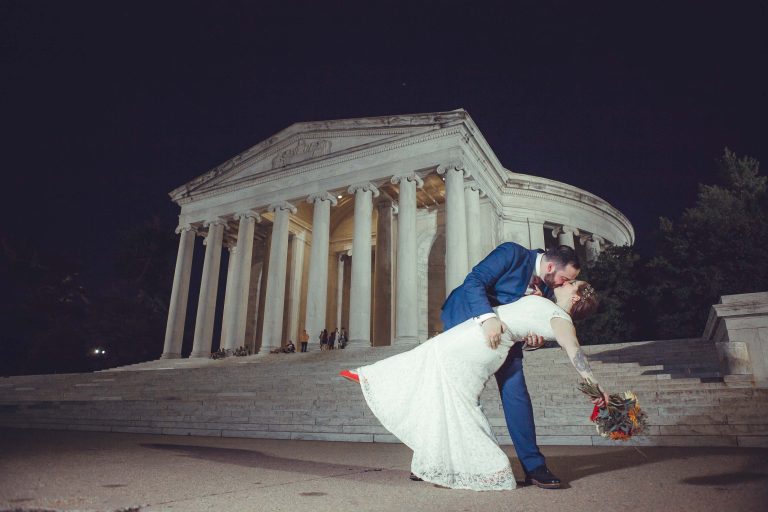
(618, 435)
(633, 412)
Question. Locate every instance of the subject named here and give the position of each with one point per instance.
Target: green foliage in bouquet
(621, 419)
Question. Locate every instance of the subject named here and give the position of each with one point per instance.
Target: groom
(508, 273)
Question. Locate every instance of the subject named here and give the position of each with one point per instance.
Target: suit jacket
(502, 277)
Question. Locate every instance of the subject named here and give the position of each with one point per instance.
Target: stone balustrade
(738, 326)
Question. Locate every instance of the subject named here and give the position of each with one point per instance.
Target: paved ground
(103, 471)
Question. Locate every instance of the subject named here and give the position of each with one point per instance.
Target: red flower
(595, 412)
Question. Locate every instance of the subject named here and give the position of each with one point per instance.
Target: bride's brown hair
(587, 305)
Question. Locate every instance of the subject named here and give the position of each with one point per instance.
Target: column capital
(322, 196)
(364, 187)
(454, 166)
(248, 214)
(283, 205)
(586, 237)
(299, 235)
(185, 228)
(396, 179)
(213, 222)
(473, 185)
(565, 230)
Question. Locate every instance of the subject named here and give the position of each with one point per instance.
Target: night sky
(107, 106)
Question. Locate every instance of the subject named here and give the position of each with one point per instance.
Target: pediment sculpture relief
(301, 151)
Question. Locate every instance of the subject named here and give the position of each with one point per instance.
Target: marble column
(177, 309)
(241, 280)
(456, 258)
(226, 321)
(298, 242)
(593, 244)
(536, 235)
(274, 301)
(382, 275)
(406, 288)
(472, 195)
(360, 291)
(209, 285)
(254, 293)
(339, 288)
(317, 285)
(564, 235)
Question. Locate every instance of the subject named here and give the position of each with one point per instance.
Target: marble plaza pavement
(76, 470)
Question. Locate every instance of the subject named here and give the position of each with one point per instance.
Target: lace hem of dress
(369, 396)
(503, 480)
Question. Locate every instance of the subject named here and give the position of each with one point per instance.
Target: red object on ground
(350, 376)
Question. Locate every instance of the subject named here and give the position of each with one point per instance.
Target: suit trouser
(518, 410)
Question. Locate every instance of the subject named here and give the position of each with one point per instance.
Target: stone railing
(739, 328)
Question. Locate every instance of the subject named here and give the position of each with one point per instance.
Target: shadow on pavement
(573, 468)
(256, 459)
(736, 478)
(569, 467)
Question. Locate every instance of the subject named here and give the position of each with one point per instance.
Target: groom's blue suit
(503, 277)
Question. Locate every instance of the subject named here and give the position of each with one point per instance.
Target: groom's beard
(549, 280)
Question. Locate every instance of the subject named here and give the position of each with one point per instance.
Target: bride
(429, 396)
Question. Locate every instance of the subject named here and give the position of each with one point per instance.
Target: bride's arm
(565, 334)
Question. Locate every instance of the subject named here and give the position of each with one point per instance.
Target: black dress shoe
(415, 478)
(542, 477)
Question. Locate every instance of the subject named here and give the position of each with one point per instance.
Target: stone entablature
(547, 200)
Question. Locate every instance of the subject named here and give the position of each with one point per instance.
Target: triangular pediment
(306, 143)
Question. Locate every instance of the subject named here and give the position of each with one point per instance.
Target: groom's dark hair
(562, 256)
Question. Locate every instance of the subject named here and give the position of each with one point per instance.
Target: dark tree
(718, 247)
(43, 312)
(617, 275)
(129, 313)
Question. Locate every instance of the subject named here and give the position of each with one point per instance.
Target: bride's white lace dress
(429, 398)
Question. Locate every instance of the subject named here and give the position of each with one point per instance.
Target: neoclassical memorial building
(362, 223)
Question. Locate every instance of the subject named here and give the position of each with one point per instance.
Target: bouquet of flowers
(621, 418)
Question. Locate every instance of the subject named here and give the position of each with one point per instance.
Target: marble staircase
(300, 396)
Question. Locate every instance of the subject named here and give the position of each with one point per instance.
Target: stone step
(247, 397)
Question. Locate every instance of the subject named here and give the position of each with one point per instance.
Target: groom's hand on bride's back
(533, 341)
